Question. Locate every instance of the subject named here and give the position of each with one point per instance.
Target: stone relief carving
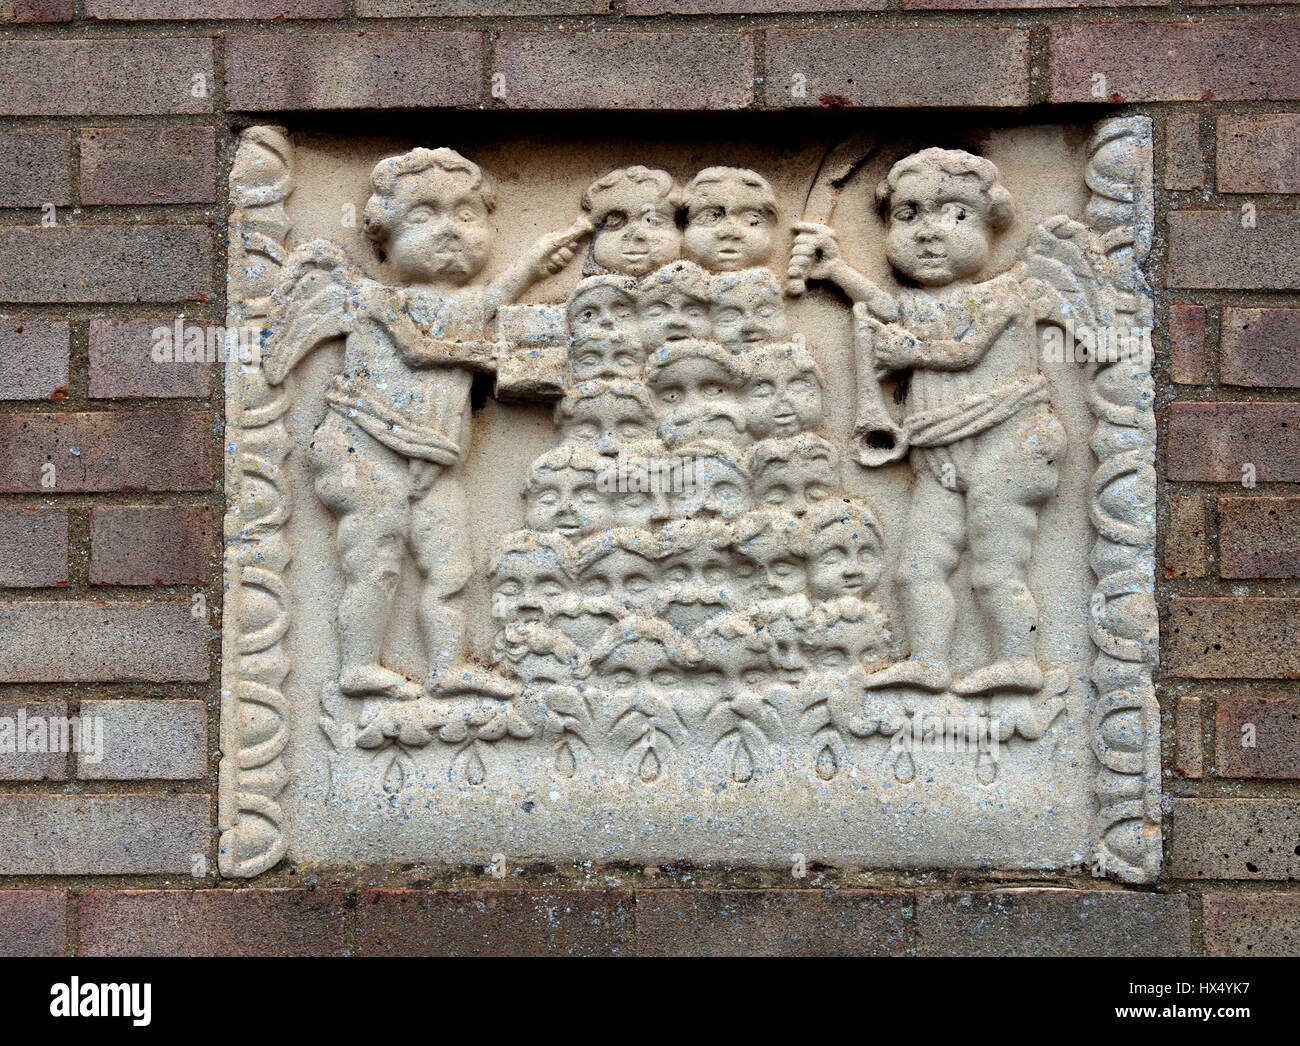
(699, 596)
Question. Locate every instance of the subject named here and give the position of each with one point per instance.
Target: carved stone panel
(598, 502)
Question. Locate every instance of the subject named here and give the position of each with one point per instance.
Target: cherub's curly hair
(958, 163)
(381, 213)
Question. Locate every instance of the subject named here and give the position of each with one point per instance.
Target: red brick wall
(109, 583)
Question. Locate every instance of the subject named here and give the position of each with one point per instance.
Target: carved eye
(633, 429)
(776, 494)
(831, 558)
(671, 396)
(418, 215)
(664, 677)
(833, 658)
(677, 574)
(815, 492)
(589, 359)
(904, 213)
(623, 677)
(713, 390)
(656, 309)
(709, 680)
(763, 390)
(614, 220)
(694, 310)
(753, 677)
(550, 589)
(623, 312)
(587, 315)
(589, 496)
(783, 568)
(753, 218)
(728, 316)
(509, 589)
(800, 384)
(708, 216)
(467, 214)
(588, 431)
(549, 497)
(625, 359)
(726, 492)
(637, 583)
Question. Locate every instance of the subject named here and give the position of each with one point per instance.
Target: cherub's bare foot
(927, 675)
(1020, 676)
(377, 681)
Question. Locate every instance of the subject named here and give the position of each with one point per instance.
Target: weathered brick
(1184, 164)
(563, 70)
(240, 923)
(1221, 250)
(36, 10)
(1234, 839)
(483, 8)
(27, 725)
(772, 922)
(71, 642)
(834, 68)
(118, 450)
(113, 77)
(147, 740)
(32, 922)
(1260, 348)
(1241, 924)
(1176, 62)
(121, 165)
(1184, 538)
(103, 263)
(1252, 638)
(34, 168)
(491, 922)
(103, 834)
(1259, 537)
(353, 70)
(1187, 344)
(1258, 153)
(150, 544)
(33, 359)
(1211, 442)
(1187, 737)
(1052, 923)
(749, 7)
(33, 547)
(136, 10)
(1270, 748)
(122, 364)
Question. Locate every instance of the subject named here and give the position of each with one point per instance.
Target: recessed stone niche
(716, 498)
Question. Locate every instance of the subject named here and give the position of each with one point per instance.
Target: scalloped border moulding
(1124, 717)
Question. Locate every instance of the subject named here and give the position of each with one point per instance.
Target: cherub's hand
(895, 347)
(554, 251)
(814, 252)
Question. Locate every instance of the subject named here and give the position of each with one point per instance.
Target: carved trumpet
(877, 437)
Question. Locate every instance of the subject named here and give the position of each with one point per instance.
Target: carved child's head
(640, 655)
(748, 308)
(635, 485)
(941, 208)
(621, 565)
(734, 657)
(730, 219)
(634, 210)
(843, 631)
(697, 386)
(843, 547)
(604, 337)
(540, 655)
(673, 304)
(785, 392)
(428, 215)
(793, 473)
(771, 542)
(605, 415)
(697, 572)
(529, 572)
(560, 493)
(716, 485)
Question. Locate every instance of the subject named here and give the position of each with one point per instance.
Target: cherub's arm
(896, 348)
(546, 257)
(816, 255)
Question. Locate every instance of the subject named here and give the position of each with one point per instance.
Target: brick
(150, 545)
(1242, 924)
(1260, 348)
(1252, 638)
(1176, 62)
(1187, 737)
(103, 263)
(481, 8)
(1187, 344)
(33, 359)
(1269, 750)
(121, 450)
(114, 77)
(1213, 249)
(34, 168)
(27, 724)
(32, 923)
(36, 10)
(102, 834)
(353, 70)
(1258, 153)
(564, 70)
(772, 922)
(1184, 164)
(906, 68)
(1259, 537)
(147, 740)
(73, 642)
(1184, 538)
(121, 165)
(1210, 442)
(138, 10)
(491, 922)
(240, 923)
(1051, 923)
(1010, 5)
(33, 547)
(1234, 839)
(749, 7)
(122, 364)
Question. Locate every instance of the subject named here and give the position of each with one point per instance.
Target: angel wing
(1067, 277)
(316, 300)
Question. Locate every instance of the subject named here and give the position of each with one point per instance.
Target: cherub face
(609, 421)
(624, 576)
(699, 399)
(796, 484)
(784, 403)
(606, 341)
(841, 643)
(702, 565)
(749, 316)
(717, 490)
(636, 508)
(565, 500)
(443, 235)
(731, 669)
(729, 227)
(636, 232)
(525, 586)
(777, 572)
(669, 314)
(937, 228)
(640, 664)
(845, 561)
